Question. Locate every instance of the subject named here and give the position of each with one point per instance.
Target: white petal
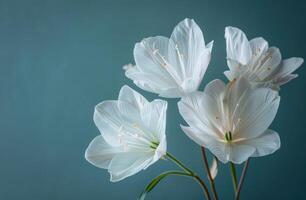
(129, 95)
(259, 46)
(149, 81)
(171, 93)
(187, 44)
(288, 66)
(269, 63)
(223, 151)
(235, 69)
(229, 75)
(239, 153)
(215, 89)
(255, 113)
(209, 46)
(283, 80)
(198, 136)
(237, 45)
(151, 58)
(154, 117)
(128, 113)
(161, 150)
(265, 144)
(108, 120)
(127, 164)
(236, 92)
(218, 149)
(99, 153)
(200, 111)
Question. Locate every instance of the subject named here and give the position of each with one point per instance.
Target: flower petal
(288, 66)
(192, 109)
(259, 46)
(236, 92)
(153, 83)
(99, 152)
(151, 58)
(187, 51)
(255, 113)
(239, 153)
(215, 89)
(154, 117)
(161, 150)
(129, 95)
(200, 137)
(127, 164)
(283, 80)
(107, 118)
(268, 63)
(265, 144)
(237, 45)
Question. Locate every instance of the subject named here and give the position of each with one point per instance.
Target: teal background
(58, 59)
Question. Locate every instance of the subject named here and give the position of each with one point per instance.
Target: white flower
(132, 134)
(171, 67)
(232, 120)
(256, 61)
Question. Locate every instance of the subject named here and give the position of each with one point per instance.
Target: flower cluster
(230, 119)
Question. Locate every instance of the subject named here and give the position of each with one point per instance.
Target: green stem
(202, 184)
(234, 176)
(179, 163)
(191, 174)
(211, 180)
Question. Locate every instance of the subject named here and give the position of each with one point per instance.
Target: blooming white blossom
(232, 120)
(171, 67)
(256, 61)
(132, 134)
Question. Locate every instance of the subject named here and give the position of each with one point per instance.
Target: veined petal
(288, 66)
(259, 46)
(203, 62)
(236, 93)
(127, 164)
(265, 144)
(283, 80)
(108, 120)
(171, 93)
(198, 136)
(186, 47)
(215, 89)
(151, 57)
(129, 95)
(255, 113)
(99, 152)
(192, 109)
(239, 153)
(154, 117)
(161, 150)
(268, 63)
(237, 45)
(153, 83)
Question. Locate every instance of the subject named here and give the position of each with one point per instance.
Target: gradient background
(58, 59)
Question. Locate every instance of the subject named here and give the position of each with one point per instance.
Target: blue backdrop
(58, 59)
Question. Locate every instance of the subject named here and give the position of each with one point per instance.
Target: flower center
(228, 136)
(154, 145)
